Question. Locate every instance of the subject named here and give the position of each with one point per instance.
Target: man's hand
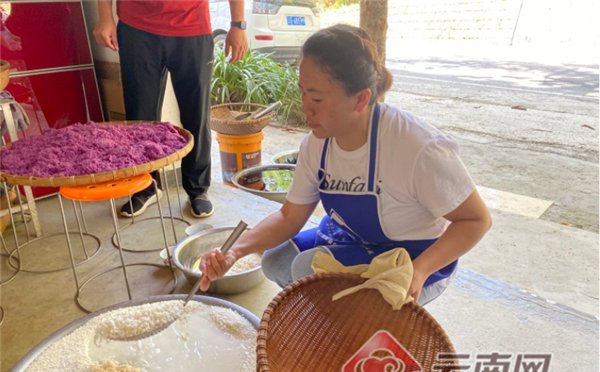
(105, 34)
(236, 44)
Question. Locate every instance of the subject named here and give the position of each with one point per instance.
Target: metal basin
(193, 247)
(264, 180)
(24, 363)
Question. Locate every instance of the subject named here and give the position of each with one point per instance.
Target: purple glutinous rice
(80, 149)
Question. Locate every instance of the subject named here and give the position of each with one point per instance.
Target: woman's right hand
(105, 34)
(214, 265)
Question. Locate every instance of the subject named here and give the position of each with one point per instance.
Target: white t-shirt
(419, 175)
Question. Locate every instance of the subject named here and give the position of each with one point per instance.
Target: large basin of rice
(208, 334)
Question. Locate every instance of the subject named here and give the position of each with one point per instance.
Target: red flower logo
(382, 353)
(374, 363)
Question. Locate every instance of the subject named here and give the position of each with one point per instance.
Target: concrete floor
(522, 305)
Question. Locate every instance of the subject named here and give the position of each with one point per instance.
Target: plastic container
(239, 152)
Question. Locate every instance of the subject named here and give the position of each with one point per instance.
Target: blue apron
(351, 230)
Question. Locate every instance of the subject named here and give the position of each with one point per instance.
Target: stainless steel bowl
(255, 175)
(26, 361)
(188, 250)
(196, 228)
(285, 157)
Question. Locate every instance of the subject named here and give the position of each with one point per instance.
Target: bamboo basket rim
(226, 124)
(106, 176)
(435, 330)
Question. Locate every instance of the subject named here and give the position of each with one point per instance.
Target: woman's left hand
(416, 285)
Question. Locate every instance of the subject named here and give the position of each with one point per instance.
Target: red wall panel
(52, 71)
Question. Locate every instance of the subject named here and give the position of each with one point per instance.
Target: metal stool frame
(165, 183)
(7, 254)
(121, 256)
(15, 259)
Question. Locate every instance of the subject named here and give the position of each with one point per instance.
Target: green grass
(258, 79)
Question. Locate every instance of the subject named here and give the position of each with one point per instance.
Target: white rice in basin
(242, 265)
(204, 337)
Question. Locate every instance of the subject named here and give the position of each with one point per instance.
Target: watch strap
(238, 24)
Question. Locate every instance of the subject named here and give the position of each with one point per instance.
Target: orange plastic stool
(107, 190)
(110, 191)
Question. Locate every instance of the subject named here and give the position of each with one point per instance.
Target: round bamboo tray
(90, 179)
(222, 118)
(302, 329)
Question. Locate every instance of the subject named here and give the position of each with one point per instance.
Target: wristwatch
(239, 24)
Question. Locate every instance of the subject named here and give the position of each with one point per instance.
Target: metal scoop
(235, 234)
(259, 113)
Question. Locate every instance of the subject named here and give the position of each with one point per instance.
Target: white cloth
(419, 175)
(390, 273)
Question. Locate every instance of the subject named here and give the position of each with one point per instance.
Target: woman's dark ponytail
(349, 55)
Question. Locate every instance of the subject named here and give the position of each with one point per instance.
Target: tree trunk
(373, 19)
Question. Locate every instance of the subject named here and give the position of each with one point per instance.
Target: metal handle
(272, 107)
(235, 234)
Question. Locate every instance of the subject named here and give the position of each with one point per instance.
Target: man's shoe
(201, 207)
(140, 201)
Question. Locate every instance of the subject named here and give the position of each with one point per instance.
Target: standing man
(153, 38)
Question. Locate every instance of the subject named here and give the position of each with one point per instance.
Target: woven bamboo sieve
(89, 179)
(302, 329)
(222, 118)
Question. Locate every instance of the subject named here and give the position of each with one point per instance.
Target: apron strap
(373, 148)
(321, 173)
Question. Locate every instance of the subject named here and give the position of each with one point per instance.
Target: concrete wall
(497, 22)
(453, 19)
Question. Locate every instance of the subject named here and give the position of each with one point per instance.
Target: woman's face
(329, 111)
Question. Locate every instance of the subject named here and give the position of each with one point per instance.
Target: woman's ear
(363, 98)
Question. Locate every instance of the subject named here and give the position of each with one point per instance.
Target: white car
(273, 26)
